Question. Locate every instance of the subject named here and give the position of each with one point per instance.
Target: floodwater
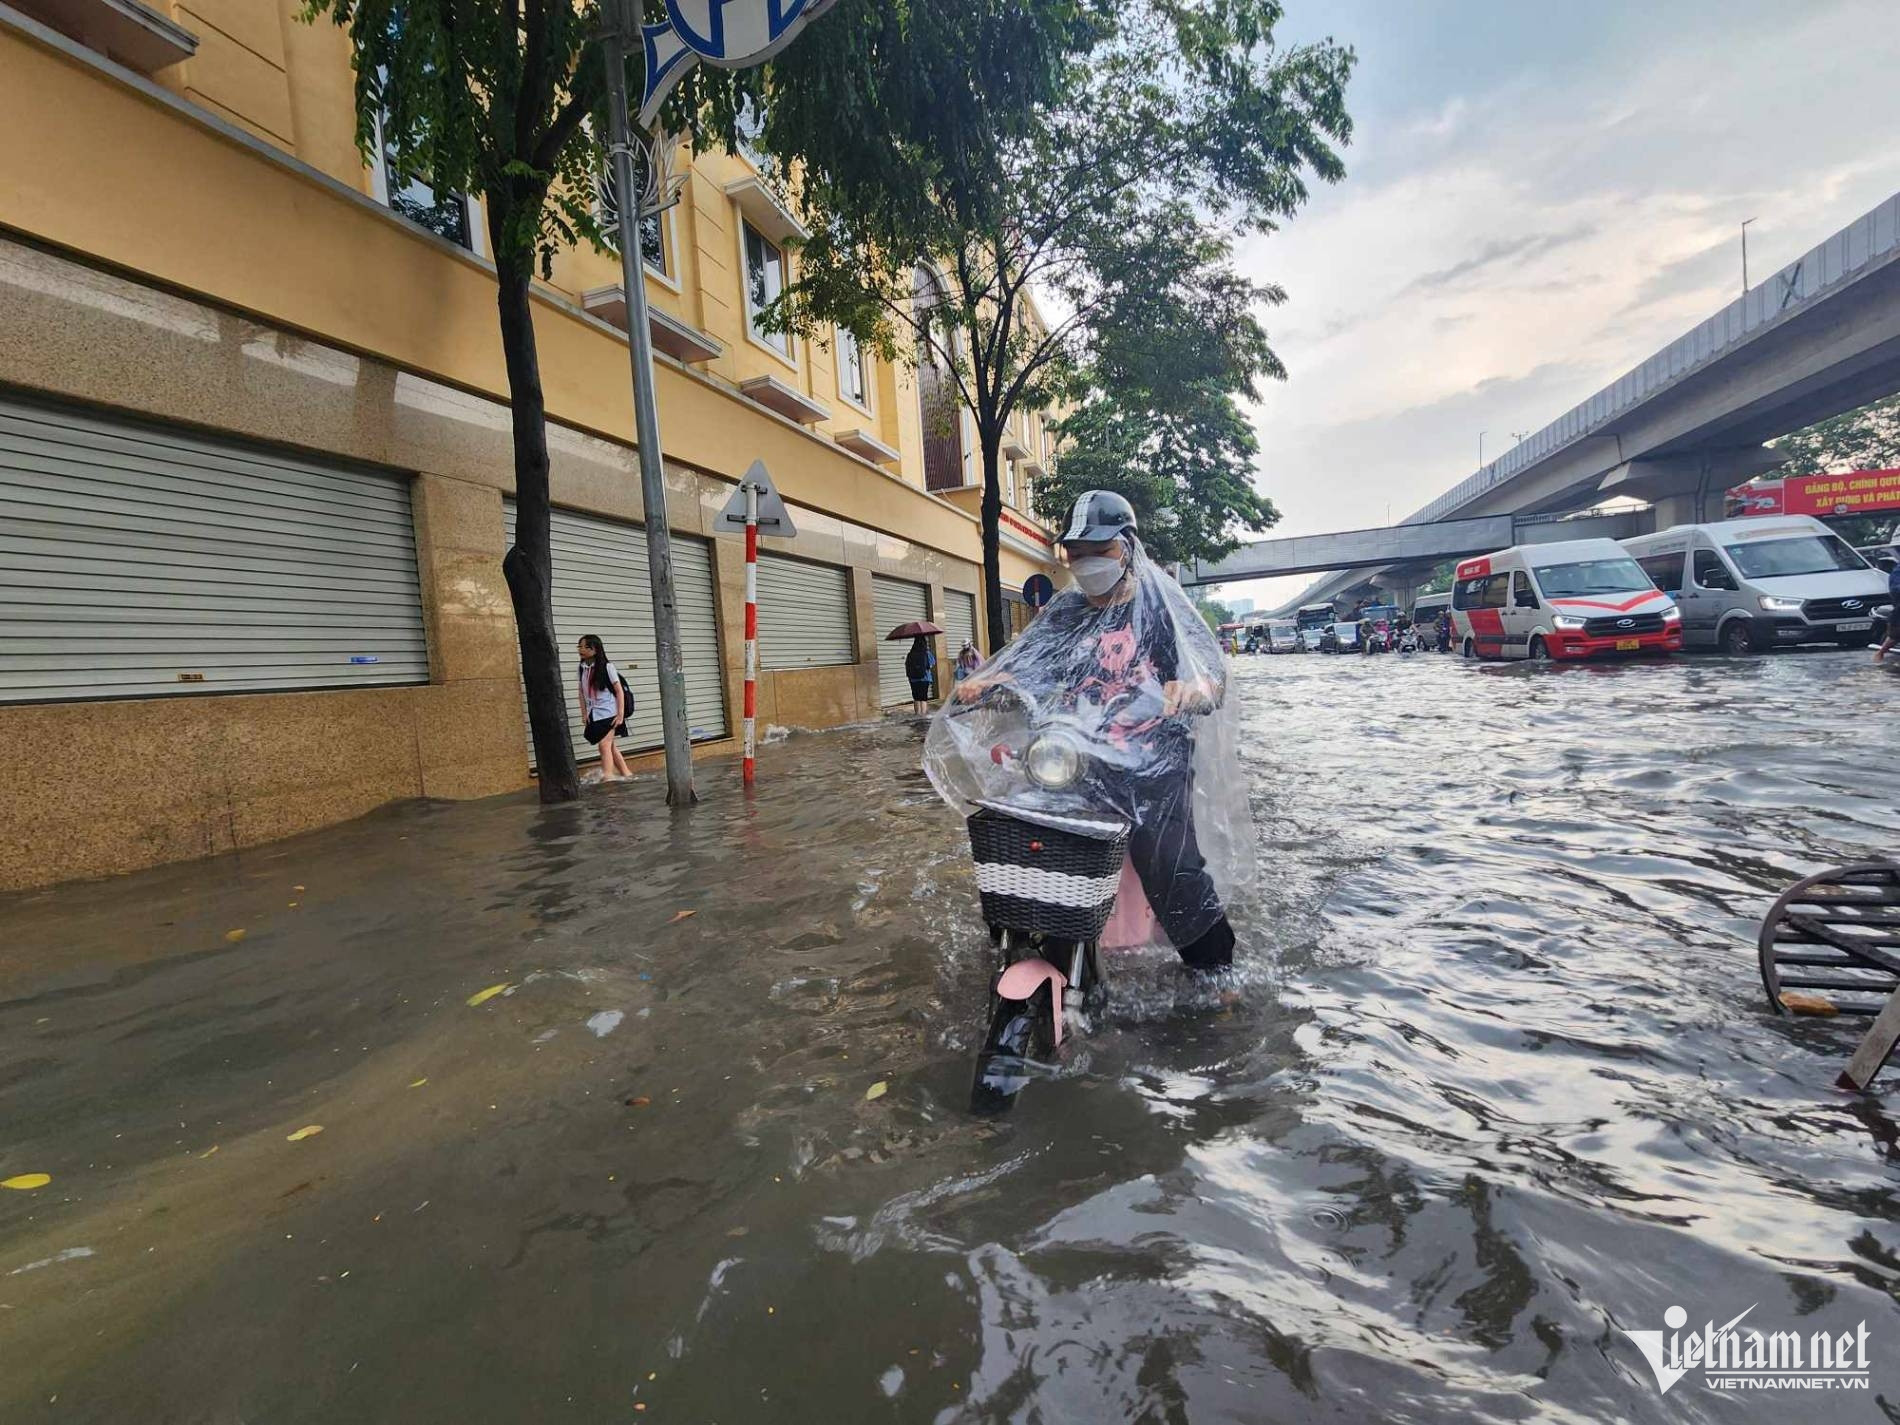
(1494, 1082)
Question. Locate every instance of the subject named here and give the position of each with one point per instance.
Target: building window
(941, 416)
(853, 382)
(447, 214)
(764, 280)
(652, 225)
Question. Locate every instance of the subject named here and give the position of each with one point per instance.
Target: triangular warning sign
(774, 518)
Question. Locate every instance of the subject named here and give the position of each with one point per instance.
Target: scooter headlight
(1053, 761)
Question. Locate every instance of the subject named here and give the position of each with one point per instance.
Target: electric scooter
(1050, 859)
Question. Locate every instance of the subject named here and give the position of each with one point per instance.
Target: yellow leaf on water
(418, 1083)
(234, 936)
(682, 915)
(296, 888)
(1799, 1003)
(877, 1090)
(26, 1182)
(484, 996)
(209, 1151)
(309, 1130)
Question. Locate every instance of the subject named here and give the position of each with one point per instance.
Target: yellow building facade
(256, 464)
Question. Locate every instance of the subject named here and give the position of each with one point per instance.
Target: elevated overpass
(1425, 545)
(1817, 338)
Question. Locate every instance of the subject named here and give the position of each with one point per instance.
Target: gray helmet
(1099, 516)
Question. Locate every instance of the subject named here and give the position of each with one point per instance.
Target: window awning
(862, 442)
(135, 35)
(775, 395)
(678, 340)
(764, 211)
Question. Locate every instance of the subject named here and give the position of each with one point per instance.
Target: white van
(1764, 582)
(1283, 636)
(1577, 599)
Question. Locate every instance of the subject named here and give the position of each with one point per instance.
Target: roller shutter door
(959, 620)
(804, 614)
(142, 561)
(601, 587)
(897, 601)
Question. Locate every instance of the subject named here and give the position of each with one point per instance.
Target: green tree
(1176, 126)
(1866, 439)
(1158, 416)
(495, 99)
(1214, 613)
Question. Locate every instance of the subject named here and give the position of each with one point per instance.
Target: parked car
(1765, 582)
(1578, 599)
(1345, 637)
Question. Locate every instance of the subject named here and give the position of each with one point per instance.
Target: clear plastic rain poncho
(1136, 682)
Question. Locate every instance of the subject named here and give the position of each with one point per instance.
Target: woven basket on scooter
(1041, 878)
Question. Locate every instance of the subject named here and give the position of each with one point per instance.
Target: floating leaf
(418, 1083)
(877, 1090)
(296, 888)
(641, 1102)
(1800, 1003)
(484, 996)
(309, 1130)
(26, 1182)
(682, 915)
(234, 936)
(209, 1151)
(294, 905)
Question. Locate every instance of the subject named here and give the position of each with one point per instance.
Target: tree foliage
(1158, 415)
(1866, 439)
(1171, 129)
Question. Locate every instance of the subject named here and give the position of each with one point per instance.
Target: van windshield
(1591, 576)
(1783, 558)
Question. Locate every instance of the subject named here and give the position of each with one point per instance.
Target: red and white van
(1578, 599)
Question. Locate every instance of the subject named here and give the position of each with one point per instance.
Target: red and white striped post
(751, 622)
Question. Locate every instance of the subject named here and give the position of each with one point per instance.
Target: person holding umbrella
(920, 662)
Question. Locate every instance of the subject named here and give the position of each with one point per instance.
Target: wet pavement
(1497, 1081)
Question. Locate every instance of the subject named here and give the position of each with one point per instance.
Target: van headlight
(1053, 761)
(1770, 604)
(1568, 621)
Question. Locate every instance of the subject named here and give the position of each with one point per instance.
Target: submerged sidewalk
(325, 1121)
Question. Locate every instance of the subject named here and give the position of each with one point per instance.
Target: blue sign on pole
(733, 34)
(1038, 590)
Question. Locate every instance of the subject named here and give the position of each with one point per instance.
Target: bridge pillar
(1688, 489)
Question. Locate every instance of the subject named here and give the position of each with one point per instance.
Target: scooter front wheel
(1020, 1042)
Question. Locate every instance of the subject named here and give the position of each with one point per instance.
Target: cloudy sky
(1538, 196)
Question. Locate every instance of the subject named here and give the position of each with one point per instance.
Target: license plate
(1859, 625)
(1628, 645)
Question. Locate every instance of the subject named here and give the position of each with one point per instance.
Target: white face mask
(1097, 574)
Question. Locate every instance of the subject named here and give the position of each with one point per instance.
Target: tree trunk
(529, 565)
(990, 444)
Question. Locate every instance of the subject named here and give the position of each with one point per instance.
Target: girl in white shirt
(603, 707)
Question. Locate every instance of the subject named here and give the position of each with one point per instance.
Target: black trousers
(1167, 858)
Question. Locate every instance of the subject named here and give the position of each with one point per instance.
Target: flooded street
(1498, 1082)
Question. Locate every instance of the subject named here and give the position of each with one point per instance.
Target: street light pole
(1745, 223)
(646, 416)
(1481, 436)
